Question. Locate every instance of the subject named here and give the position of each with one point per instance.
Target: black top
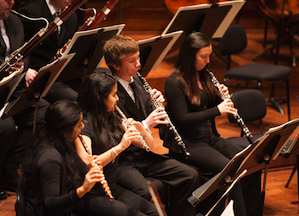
(47, 190)
(193, 122)
(109, 170)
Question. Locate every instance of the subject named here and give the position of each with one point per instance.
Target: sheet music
(8, 85)
(221, 29)
(158, 58)
(229, 210)
(65, 58)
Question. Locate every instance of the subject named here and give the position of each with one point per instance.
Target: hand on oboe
(93, 176)
(227, 106)
(156, 117)
(158, 95)
(225, 90)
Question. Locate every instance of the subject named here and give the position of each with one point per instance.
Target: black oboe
(236, 115)
(171, 127)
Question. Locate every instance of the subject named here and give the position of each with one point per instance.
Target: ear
(116, 67)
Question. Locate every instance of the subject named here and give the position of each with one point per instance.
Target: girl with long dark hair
(51, 182)
(107, 137)
(192, 104)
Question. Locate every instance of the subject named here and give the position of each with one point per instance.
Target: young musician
(193, 104)
(52, 183)
(44, 53)
(122, 56)
(106, 136)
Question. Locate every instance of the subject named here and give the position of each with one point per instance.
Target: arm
(111, 153)
(147, 137)
(179, 106)
(51, 174)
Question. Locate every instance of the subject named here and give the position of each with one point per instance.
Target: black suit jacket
(130, 109)
(43, 54)
(15, 33)
(127, 105)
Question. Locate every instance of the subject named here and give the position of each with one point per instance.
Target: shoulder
(87, 130)
(172, 80)
(48, 155)
(34, 9)
(13, 18)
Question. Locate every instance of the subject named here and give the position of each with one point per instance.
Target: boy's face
(130, 64)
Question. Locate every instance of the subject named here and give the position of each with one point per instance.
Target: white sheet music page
(229, 210)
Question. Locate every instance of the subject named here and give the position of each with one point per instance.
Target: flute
(171, 127)
(236, 115)
(125, 120)
(93, 164)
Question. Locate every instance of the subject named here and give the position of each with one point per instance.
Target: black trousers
(126, 203)
(181, 178)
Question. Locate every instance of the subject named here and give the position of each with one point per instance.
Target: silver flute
(236, 115)
(170, 125)
(125, 121)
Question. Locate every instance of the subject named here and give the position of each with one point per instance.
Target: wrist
(146, 127)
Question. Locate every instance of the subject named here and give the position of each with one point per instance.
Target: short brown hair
(116, 47)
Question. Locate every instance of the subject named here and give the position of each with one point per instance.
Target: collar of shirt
(51, 7)
(126, 86)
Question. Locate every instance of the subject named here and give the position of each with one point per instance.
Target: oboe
(93, 163)
(170, 125)
(236, 115)
(125, 120)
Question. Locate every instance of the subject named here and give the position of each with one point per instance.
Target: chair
(283, 15)
(251, 105)
(235, 40)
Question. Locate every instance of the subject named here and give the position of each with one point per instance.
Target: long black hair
(60, 120)
(106, 125)
(185, 67)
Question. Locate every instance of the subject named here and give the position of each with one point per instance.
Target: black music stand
(8, 85)
(38, 88)
(211, 20)
(88, 49)
(153, 50)
(254, 158)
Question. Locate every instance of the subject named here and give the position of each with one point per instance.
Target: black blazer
(43, 54)
(127, 105)
(15, 32)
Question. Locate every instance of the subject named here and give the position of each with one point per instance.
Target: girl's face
(203, 57)
(76, 130)
(111, 100)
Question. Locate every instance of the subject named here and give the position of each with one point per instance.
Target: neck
(124, 77)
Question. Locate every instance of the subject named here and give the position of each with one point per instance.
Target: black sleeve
(177, 106)
(51, 171)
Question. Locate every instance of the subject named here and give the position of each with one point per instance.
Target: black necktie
(56, 14)
(133, 86)
(2, 49)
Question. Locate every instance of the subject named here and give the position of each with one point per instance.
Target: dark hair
(106, 125)
(116, 47)
(185, 67)
(60, 119)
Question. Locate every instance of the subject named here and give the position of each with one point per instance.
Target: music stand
(38, 88)
(8, 85)
(211, 20)
(254, 158)
(153, 50)
(88, 49)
